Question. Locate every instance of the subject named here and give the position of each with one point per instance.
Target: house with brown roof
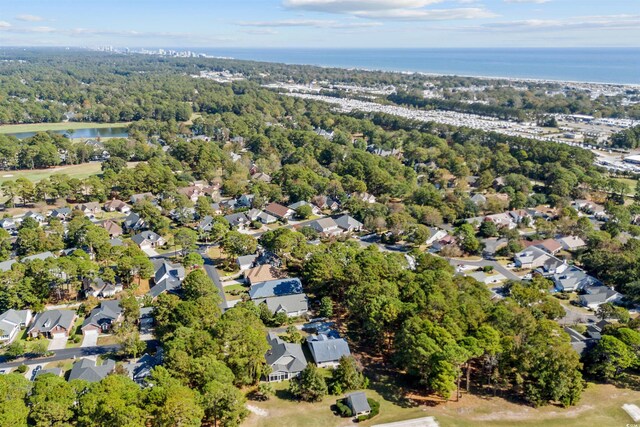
(112, 228)
(548, 245)
(263, 273)
(89, 209)
(279, 211)
(116, 205)
(192, 192)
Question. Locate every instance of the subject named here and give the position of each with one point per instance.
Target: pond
(110, 132)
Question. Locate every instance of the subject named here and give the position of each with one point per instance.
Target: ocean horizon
(597, 65)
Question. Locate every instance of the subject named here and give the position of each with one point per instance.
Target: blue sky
(321, 23)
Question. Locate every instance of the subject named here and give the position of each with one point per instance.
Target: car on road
(35, 372)
(3, 371)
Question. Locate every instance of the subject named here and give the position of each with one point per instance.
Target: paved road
(483, 263)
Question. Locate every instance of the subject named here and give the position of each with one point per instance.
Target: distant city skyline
(322, 23)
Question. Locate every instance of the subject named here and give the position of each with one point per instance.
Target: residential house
(279, 211)
(325, 202)
(229, 205)
(88, 370)
(572, 243)
(148, 239)
(435, 234)
(286, 360)
(41, 256)
(237, 220)
(115, 205)
(58, 372)
(61, 213)
(479, 200)
(38, 217)
(314, 209)
(11, 322)
(102, 318)
(325, 226)
(595, 296)
(53, 323)
(98, 288)
(447, 240)
(260, 216)
(133, 222)
(166, 278)
(192, 192)
(259, 176)
(262, 273)
(358, 404)
(326, 350)
(246, 200)
(206, 224)
(112, 228)
(276, 288)
(294, 305)
(90, 209)
(349, 224)
(573, 279)
(9, 225)
(365, 197)
(580, 343)
(532, 257)
(116, 242)
(138, 197)
(549, 245)
(142, 368)
(246, 262)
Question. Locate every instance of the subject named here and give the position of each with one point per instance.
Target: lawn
(81, 171)
(229, 289)
(600, 405)
(107, 340)
(43, 127)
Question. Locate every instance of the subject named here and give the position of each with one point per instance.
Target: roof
(112, 227)
(276, 288)
(42, 256)
(48, 320)
(247, 259)
(236, 218)
(277, 210)
(549, 245)
(167, 277)
(327, 349)
(347, 222)
(358, 402)
(323, 224)
(283, 356)
(287, 303)
(86, 369)
(12, 318)
(106, 313)
(6, 265)
(572, 242)
(147, 235)
(263, 273)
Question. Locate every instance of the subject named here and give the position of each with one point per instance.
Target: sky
(321, 23)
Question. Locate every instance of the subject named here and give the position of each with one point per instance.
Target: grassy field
(42, 127)
(73, 171)
(600, 406)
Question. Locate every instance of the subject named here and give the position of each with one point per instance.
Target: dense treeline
(627, 138)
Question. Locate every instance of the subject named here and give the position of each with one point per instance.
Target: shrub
(22, 369)
(375, 410)
(343, 409)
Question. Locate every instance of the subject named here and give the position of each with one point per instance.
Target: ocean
(610, 65)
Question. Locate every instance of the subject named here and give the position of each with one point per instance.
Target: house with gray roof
(61, 213)
(327, 350)
(276, 288)
(314, 209)
(260, 215)
(87, 370)
(532, 257)
(102, 318)
(238, 220)
(246, 262)
(168, 277)
(573, 279)
(133, 222)
(6, 265)
(40, 219)
(349, 224)
(141, 369)
(52, 323)
(292, 305)
(595, 296)
(358, 404)
(53, 371)
(325, 226)
(115, 205)
(11, 322)
(286, 360)
(148, 239)
(205, 224)
(41, 256)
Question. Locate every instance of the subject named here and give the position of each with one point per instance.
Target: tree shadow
(285, 395)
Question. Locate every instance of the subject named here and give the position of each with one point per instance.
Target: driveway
(58, 342)
(484, 263)
(90, 339)
(151, 253)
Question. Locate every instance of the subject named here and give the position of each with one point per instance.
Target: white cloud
(4, 24)
(604, 22)
(429, 14)
(315, 23)
(347, 6)
(29, 18)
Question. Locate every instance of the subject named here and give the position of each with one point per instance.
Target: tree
(130, 308)
(192, 260)
(467, 239)
(488, 229)
(13, 409)
(52, 401)
(326, 307)
(198, 284)
(203, 207)
(610, 357)
(15, 349)
(187, 239)
(348, 376)
(114, 401)
(304, 212)
(310, 385)
(128, 337)
(237, 244)
(223, 404)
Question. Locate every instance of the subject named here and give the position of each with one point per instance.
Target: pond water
(110, 132)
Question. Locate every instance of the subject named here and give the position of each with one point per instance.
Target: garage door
(59, 335)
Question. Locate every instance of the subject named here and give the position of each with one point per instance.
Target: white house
(11, 322)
